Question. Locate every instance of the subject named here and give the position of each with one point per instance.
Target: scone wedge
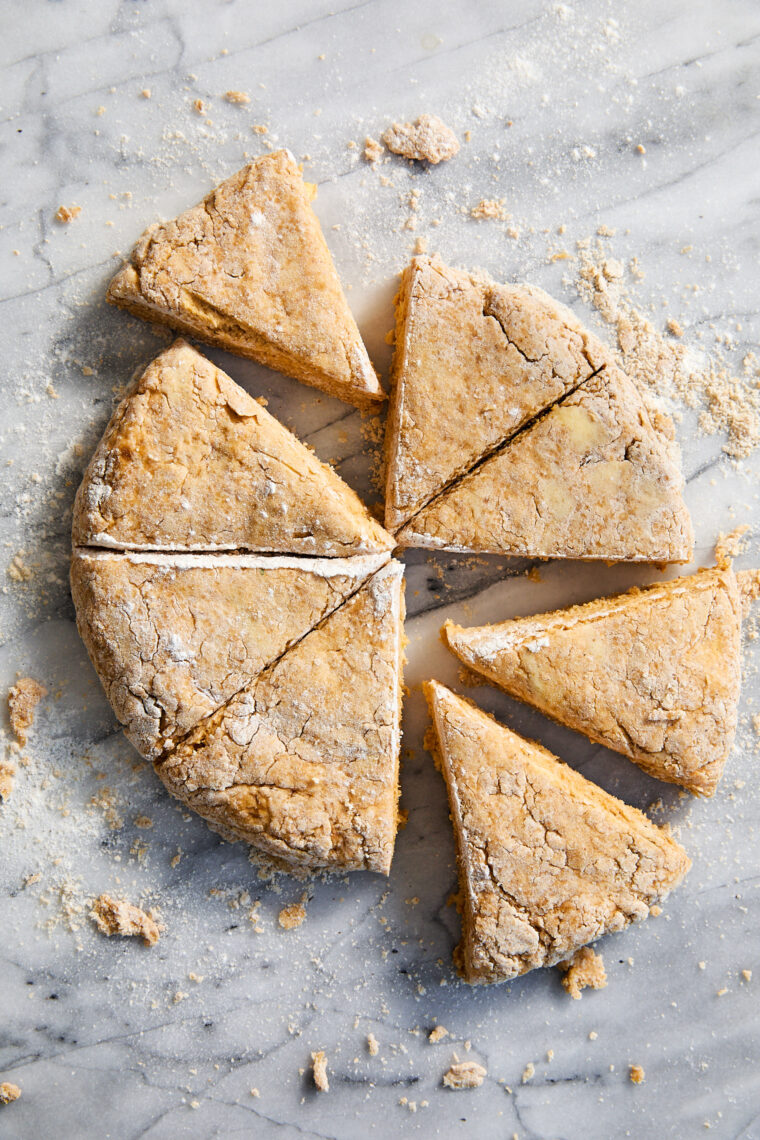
(595, 477)
(548, 861)
(173, 637)
(248, 269)
(303, 762)
(654, 674)
(513, 431)
(190, 461)
(474, 361)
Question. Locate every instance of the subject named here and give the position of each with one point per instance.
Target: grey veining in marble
(109, 1039)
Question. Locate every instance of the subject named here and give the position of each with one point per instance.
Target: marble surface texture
(109, 1039)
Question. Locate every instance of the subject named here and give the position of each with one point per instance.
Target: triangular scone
(248, 269)
(191, 461)
(172, 637)
(654, 674)
(547, 860)
(303, 763)
(474, 361)
(596, 477)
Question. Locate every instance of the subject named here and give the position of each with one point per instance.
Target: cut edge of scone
(347, 373)
(212, 773)
(485, 954)
(472, 515)
(149, 441)
(478, 647)
(158, 703)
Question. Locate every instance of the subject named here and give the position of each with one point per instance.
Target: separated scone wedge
(303, 762)
(654, 673)
(547, 860)
(174, 636)
(248, 269)
(190, 461)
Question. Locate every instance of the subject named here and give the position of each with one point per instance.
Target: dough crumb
(465, 1075)
(23, 698)
(584, 969)
(7, 772)
(529, 1072)
(319, 1069)
(673, 327)
(65, 214)
(255, 1092)
(292, 916)
(373, 150)
(489, 208)
(240, 98)
(373, 1045)
(9, 1092)
(115, 916)
(730, 545)
(636, 1074)
(437, 1034)
(427, 139)
(747, 975)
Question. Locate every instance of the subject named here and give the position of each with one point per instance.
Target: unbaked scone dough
(593, 478)
(190, 461)
(548, 861)
(654, 673)
(303, 762)
(172, 636)
(248, 269)
(513, 431)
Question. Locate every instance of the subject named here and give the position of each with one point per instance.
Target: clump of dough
(465, 1075)
(292, 916)
(116, 916)
(584, 969)
(319, 1069)
(373, 150)
(9, 1092)
(23, 698)
(636, 1074)
(427, 139)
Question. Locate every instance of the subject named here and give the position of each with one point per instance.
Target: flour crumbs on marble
(23, 698)
(728, 399)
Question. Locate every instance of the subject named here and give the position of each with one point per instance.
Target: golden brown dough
(303, 762)
(248, 269)
(474, 361)
(173, 636)
(596, 477)
(548, 862)
(654, 673)
(190, 461)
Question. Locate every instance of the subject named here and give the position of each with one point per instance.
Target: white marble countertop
(109, 1039)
